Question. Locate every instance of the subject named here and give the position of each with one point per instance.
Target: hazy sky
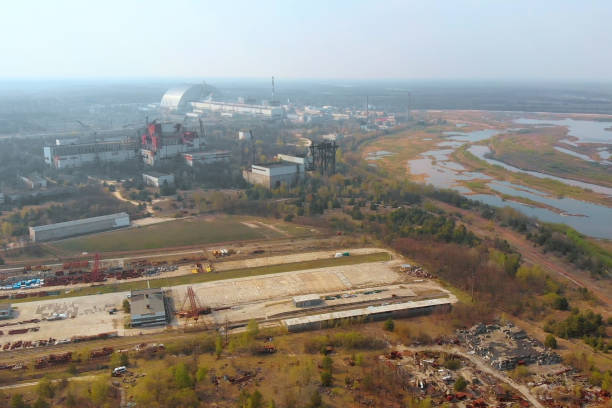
(505, 39)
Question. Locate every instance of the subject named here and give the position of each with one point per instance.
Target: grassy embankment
(536, 152)
(209, 277)
(553, 187)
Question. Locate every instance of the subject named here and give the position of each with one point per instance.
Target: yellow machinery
(200, 269)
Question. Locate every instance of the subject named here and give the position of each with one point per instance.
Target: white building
(244, 135)
(34, 181)
(156, 179)
(273, 175)
(66, 141)
(332, 137)
(77, 155)
(79, 227)
(303, 162)
(207, 157)
(238, 108)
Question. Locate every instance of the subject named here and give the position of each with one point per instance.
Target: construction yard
(264, 297)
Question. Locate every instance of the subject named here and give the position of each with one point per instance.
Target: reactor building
(162, 141)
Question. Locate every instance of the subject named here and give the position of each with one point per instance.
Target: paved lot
(86, 315)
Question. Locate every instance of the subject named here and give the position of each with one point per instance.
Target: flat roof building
(307, 300)
(265, 111)
(80, 154)
(207, 157)
(157, 179)
(148, 308)
(34, 181)
(79, 227)
(273, 175)
(406, 309)
(5, 311)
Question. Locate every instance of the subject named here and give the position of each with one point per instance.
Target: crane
(96, 275)
(191, 307)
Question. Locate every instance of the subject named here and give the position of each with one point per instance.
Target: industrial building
(79, 154)
(162, 141)
(304, 162)
(245, 135)
(148, 307)
(34, 181)
(207, 157)
(273, 175)
(396, 310)
(157, 179)
(5, 311)
(266, 111)
(79, 227)
(66, 141)
(307, 300)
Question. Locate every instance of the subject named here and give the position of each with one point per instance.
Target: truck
(119, 371)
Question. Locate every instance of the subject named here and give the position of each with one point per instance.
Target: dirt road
(34, 383)
(481, 366)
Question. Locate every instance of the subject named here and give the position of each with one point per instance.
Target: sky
(333, 39)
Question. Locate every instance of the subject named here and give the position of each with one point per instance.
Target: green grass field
(209, 277)
(172, 234)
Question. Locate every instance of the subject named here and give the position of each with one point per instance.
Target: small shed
(307, 300)
(5, 311)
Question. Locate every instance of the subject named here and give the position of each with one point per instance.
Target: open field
(201, 230)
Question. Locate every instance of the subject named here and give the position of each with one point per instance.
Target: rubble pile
(506, 346)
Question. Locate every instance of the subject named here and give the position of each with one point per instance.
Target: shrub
(460, 384)
(389, 325)
(326, 378)
(452, 363)
(550, 341)
(327, 363)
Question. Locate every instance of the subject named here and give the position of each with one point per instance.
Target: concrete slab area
(264, 296)
(281, 285)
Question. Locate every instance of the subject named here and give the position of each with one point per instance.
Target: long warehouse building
(77, 155)
(79, 227)
(406, 309)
